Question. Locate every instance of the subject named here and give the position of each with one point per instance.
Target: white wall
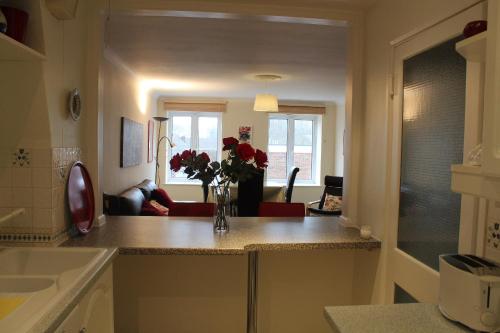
(121, 99)
(240, 112)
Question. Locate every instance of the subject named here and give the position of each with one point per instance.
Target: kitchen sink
(31, 279)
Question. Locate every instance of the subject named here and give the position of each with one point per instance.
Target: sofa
(131, 202)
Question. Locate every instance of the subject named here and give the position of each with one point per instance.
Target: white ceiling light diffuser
(266, 102)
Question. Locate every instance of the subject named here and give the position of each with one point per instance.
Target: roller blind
(194, 106)
(301, 109)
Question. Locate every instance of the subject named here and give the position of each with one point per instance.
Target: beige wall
(121, 99)
(240, 112)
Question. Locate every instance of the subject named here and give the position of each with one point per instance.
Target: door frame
(418, 279)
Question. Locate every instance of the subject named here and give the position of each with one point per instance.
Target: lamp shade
(265, 103)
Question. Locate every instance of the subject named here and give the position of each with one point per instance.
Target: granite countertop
(190, 235)
(53, 318)
(393, 318)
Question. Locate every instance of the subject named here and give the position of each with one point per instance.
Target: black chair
(291, 181)
(333, 186)
(250, 194)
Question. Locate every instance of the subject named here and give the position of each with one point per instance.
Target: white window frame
(316, 147)
(194, 140)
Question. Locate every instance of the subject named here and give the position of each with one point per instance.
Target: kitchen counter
(394, 318)
(145, 235)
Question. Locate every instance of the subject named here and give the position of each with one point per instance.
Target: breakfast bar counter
(143, 235)
(248, 236)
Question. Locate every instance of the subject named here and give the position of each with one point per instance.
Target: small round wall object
(75, 104)
(365, 231)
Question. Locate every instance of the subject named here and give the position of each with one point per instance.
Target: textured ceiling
(218, 57)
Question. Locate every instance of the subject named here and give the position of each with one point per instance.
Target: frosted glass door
(432, 140)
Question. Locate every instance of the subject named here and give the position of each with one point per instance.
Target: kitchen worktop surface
(393, 318)
(191, 235)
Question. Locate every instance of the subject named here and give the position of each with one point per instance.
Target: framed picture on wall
(132, 141)
(245, 134)
(151, 128)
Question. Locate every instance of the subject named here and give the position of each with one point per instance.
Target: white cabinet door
(72, 323)
(491, 131)
(94, 313)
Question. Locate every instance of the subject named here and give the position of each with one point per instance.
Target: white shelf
(12, 50)
(471, 180)
(473, 48)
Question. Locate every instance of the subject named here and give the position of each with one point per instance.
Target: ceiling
(218, 56)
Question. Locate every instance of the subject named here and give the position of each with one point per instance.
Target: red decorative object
(282, 209)
(474, 28)
(80, 197)
(17, 20)
(151, 128)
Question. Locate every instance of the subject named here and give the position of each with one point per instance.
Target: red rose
(175, 163)
(204, 156)
(245, 151)
(261, 159)
(187, 154)
(229, 142)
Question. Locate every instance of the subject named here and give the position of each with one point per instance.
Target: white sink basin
(38, 277)
(23, 285)
(45, 261)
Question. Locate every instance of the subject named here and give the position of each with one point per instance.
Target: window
(198, 131)
(293, 142)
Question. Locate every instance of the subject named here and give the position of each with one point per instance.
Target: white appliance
(469, 291)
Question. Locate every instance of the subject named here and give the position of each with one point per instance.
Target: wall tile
(42, 220)
(58, 177)
(5, 197)
(22, 197)
(21, 177)
(42, 177)
(42, 198)
(5, 176)
(42, 158)
(5, 157)
(19, 224)
(21, 158)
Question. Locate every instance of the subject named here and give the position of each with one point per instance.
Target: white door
(425, 217)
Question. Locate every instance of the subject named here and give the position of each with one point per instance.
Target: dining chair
(333, 186)
(250, 194)
(282, 209)
(291, 180)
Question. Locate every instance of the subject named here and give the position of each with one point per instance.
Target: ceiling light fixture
(266, 102)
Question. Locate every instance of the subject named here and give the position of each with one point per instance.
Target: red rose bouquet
(241, 163)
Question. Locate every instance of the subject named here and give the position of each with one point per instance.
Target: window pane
(303, 148)
(277, 149)
(181, 136)
(208, 138)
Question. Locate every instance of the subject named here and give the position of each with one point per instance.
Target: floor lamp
(158, 142)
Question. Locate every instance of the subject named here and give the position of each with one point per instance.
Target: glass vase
(222, 208)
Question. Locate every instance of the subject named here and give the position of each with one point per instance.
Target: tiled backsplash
(35, 179)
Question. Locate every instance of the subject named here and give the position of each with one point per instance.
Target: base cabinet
(94, 313)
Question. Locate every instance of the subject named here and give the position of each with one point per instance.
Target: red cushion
(180, 208)
(282, 209)
(162, 197)
(149, 210)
